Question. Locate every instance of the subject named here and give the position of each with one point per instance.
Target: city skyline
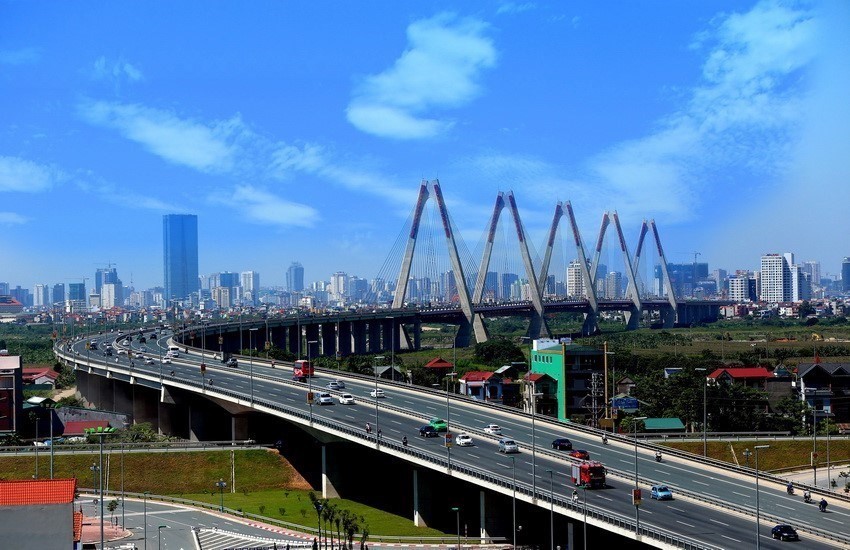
(299, 136)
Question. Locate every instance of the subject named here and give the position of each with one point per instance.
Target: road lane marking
(740, 494)
(786, 507)
(720, 522)
(730, 538)
(701, 483)
(683, 523)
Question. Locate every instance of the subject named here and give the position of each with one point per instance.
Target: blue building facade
(180, 255)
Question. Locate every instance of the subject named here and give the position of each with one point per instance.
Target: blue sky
(301, 130)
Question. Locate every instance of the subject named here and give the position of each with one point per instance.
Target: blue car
(661, 492)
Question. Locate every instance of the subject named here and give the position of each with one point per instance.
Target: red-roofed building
(539, 383)
(79, 427)
(483, 385)
(38, 513)
(40, 375)
(438, 363)
(753, 377)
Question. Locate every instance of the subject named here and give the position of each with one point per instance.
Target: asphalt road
(702, 522)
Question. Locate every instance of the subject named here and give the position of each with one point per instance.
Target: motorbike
(604, 439)
(404, 441)
(807, 498)
(790, 489)
(822, 506)
(657, 457)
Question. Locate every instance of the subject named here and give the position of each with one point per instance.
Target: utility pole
(595, 394)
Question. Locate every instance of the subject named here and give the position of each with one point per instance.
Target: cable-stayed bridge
(434, 272)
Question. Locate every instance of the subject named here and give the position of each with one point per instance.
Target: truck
(301, 370)
(589, 473)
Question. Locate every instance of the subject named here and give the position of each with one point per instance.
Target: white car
(325, 399)
(148, 361)
(166, 360)
(493, 429)
(339, 383)
(122, 351)
(377, 393)
(464, 440)
(346, 399)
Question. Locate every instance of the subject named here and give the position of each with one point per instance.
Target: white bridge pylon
(473, 322)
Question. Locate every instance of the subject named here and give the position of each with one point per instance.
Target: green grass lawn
(781, 455)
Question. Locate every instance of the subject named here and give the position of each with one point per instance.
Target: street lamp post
(145, 517)
(704, 409)
(758, 522)
(814, 446)
(310, 378)
(377, 425)
(551, 509)
(534, 397)
(100, 433)
(159, 535)
(635, 421)
(449, 376)
(456, 510)
(513, 468)
(221, 484)
(251, 332)
(584, 534)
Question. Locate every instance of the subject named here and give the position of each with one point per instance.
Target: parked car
(325, 399)
(562, 444)
(579, 453)
(464, 440)
(661, 492)
(428, 431)
(784, 532)
(346, 399)
(508, 446)
(493, 429)
(439, 424)
(377, 393)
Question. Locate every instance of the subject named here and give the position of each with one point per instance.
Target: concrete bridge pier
(294, 334)
(312, 333)
(358, 333)
(329, 339)
(668, 317)
(238, 427)
(633, 317)
(422, 500)
(145, 407)
(374, 327)
(344, 338)
(591, 324)
(122, 398)
(328, 475)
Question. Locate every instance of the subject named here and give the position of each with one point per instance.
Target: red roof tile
(745, 372)
(78, 526)
(37, 491)
(78, 427)
(476, 376)
(438, 363)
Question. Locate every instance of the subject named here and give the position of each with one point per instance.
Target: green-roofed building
(663, 425)
(572, 367)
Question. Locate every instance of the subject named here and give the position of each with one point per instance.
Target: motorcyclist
(368, 428)
(822, 505)
(807, 496)
(790, 488)
(657, 456)
(575, 496)
(604, 439)
(404, 441)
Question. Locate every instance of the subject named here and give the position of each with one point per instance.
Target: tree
(111, 507)
(497, 352)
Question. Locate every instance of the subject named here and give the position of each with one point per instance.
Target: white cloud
(740, 115)
(115, 70)
(24, 56)
(263, 207)
(12, 218)
(515, 7)
(24, 176)
(439, 70)
(209, 147)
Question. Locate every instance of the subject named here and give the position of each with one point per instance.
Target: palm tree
(317, 506)
(329, 512)
(338, 521)
(348, 527)
(364, 532)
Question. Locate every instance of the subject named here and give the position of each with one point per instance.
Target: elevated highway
(714, 506)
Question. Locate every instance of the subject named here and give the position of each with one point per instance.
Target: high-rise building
(41, 296)
(614, 285)
(295, 277)
(845, 274)
(739, 289)
(801, 284)
(575, 281)
(339, 285)
(180, 255)
(4, 289)
(111, 295)
(776, 278)
(58, 293)
(251, 287)
(103, 276)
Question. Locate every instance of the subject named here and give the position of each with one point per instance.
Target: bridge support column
(482, 513)
(632, 317)
(421, 501)
(329, 339)
(344, 338)
(196, 422)
(328, 489)
(388, 334)
(120, 398)
(668, 317)
(238, 427)
(312, 333)
(591, 324)
(144, 405)
(294, 334)
(375, 336)
(358, 330)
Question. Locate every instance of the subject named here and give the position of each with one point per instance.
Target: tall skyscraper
(295, 277)
(251, 286)
(105, 276)
(575, 280)
(41, 296)
(59, 293)
(776, 277)
(180, 255)
(845, 274)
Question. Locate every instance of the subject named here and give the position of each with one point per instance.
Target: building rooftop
(37, 491)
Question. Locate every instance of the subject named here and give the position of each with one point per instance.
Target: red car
(579, 453)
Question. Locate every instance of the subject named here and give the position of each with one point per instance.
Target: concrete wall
(46, 527)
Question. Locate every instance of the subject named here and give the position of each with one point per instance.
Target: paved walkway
(807, 477)
(91, 530)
